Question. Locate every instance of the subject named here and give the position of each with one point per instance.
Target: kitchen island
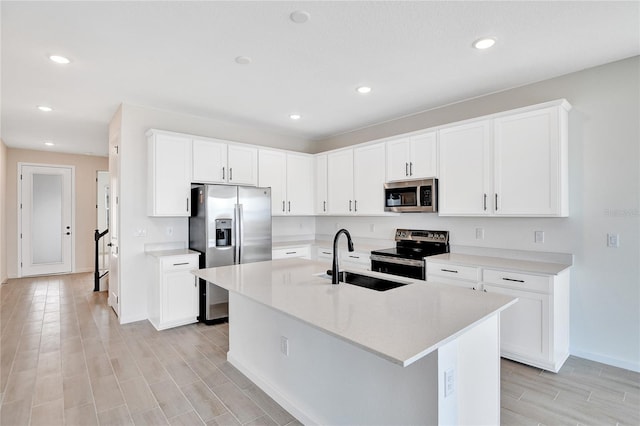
(422, 353)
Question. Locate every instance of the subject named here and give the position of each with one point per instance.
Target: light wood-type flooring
(64, 359)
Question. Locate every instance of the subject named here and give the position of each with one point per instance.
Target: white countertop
(401, 325)
(513, 265)
(173, 252)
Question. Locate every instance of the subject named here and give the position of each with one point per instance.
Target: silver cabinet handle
(349, 205)
(289, 206)
(511, 279)
(355, 205)
(449, 270)
(324, 206)
(283, 206)
(496, 201)
(187, 204)
(485, 202)
(183, 263)
(230, 173)
(354, 257)
(410, 168)
(291, 252)
(406, 169)
(223, 173)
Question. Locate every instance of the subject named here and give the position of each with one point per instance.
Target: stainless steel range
(407, 257)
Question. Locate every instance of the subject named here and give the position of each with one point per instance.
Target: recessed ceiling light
(363, 89)
(59, 59)
(49, 143)
(484, 43)
(295, 116)
(300, 16)
(45, 108)
(243, 60)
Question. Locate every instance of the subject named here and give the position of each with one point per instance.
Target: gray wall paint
(604, 187)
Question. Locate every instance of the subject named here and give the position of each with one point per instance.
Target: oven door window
(416, 272)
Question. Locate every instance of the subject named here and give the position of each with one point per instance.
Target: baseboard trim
(615, 362)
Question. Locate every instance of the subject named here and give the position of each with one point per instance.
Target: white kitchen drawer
(518, 281)
(472, 285)
(323, 253)
(180, 263)
(361, 258)
(291, 252)
(453, 271)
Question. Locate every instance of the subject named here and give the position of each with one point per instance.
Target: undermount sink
(373, 283)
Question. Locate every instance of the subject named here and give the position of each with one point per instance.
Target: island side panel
(325, 380)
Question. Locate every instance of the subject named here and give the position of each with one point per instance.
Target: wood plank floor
(65, 360)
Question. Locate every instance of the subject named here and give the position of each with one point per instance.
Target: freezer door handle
(240, 234)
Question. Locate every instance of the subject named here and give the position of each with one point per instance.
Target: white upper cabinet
(209, 161)
(340, 181)
(290, 177)
(413, 157)
(300, 188)
(530, 154)
(368, 179)
(272, 172)
(321, 194)
(216, 161)
(356, 179)
(512, 165)
(465, 170)
(243, 165)
(169, 174)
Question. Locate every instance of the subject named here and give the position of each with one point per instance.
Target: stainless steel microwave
(411, 196)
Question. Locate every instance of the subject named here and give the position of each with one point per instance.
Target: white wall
(136, 120)
(3, 215)
(604, 188)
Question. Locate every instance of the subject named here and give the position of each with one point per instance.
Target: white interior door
(46, 219)
(114, 222)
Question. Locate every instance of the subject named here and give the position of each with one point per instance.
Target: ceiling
(180, 56)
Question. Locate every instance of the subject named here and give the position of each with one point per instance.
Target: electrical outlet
(140, 232)
(284, 345)
(538, 237)
(449, 382)
(479, 233)
(613, 240)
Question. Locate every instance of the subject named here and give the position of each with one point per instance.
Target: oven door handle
(397, 261)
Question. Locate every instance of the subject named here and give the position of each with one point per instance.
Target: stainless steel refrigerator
(229, 225)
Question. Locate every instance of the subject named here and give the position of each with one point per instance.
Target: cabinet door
(368, 179)
(273, 173)
(170, 172)
(209, 161)
(300, 184)
(424, 156)
(180, 298)
(527, 163)
(321, 184)
(524, 327)
(243, 165)
(340, 181)
(398, 154)
(465, 165)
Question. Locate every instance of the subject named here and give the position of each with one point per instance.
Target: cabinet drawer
(360, 258)
(291, 252)
(518, 281)
(471, 285)
(453, 271)
(324, 253)
(180, 263)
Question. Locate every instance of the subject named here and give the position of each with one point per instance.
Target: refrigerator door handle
(240, 234)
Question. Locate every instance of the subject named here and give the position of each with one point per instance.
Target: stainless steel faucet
(335, 272)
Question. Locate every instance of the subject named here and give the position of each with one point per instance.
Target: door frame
(19, 211)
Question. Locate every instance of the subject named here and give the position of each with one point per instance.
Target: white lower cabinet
(173, 292)
(459, 275)
(535, 330)
(355, 260)
(303, 252)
